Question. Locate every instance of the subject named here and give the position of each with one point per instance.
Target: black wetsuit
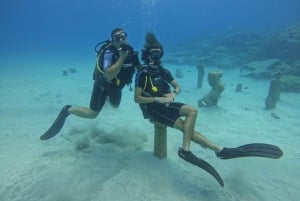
(112, 89)
(147, 78)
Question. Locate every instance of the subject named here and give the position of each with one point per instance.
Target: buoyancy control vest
(126, 73)
(156, 81)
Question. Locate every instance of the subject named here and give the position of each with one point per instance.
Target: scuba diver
(115, 67)
(153, 92)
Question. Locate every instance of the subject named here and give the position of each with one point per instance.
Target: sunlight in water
(147, 6)
(148, 11)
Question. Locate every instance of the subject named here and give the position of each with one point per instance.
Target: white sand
(118, 163)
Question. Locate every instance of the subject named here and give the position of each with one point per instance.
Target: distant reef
(257, 55)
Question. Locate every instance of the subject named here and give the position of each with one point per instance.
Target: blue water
(70, 29)
(41, 38)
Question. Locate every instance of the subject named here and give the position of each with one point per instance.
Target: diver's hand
(169, 98)
(123, 54)
(126, 47)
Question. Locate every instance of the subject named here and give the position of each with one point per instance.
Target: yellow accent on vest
(153, 88)
(118, 81)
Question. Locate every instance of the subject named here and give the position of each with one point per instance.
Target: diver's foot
(227, 153)
(186, 155)
(57, 124)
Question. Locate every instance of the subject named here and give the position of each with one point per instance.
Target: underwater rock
(295, 69)
(179, 73)
(239, 87)
(290, 83)
(275, 116)
(72, 70)
(65, 73)
(263, 69)
(284, 44)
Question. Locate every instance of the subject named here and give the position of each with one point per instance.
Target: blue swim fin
(191, 158)
(57, 124)
(254, 149)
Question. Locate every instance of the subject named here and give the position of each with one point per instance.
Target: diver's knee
(178, 124)
(193, 111)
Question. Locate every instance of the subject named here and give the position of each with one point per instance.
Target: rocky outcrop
(296, 68)
(290, 83)
(284, 45)
(263, 69)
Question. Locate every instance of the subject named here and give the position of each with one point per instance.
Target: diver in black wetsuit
(156, 100)
(115, 67)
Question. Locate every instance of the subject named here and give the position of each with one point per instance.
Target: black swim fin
(255, 149)
(191, 158)
(57, 124)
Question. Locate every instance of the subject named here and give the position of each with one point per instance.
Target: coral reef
(284, 44)
(259, 55)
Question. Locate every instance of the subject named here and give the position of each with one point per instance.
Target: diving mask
(155, 54)
(120, 36)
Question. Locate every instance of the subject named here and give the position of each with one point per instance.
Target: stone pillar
(200, 76)
(160, 140)
(274, 91)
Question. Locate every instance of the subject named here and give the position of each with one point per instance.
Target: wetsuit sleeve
(140, 78)
(168, 76)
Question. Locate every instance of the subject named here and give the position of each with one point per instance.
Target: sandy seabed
(110, 157)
